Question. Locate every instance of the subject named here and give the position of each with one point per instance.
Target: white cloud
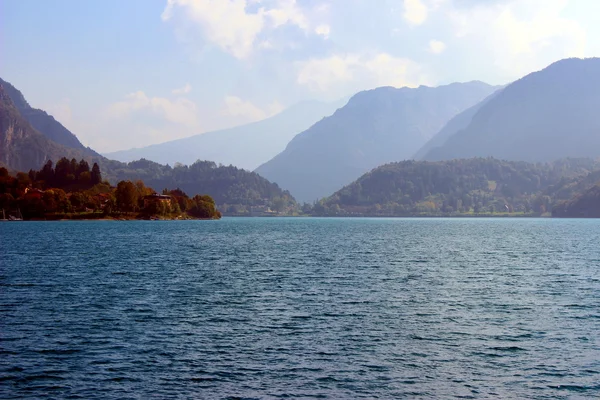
(415, 12)
(320, 74)
(436, 46)
(266, 44)
(338, 74)
(287, 11)
(183, 90)
(179, 111)
(520, 36)
(323, 30)
(236, 107)
(231, 26)
(223, 22)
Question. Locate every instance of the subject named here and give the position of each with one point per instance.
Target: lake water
(300, 308)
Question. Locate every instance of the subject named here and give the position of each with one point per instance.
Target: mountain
(235, 190)
(42, 121)
(22, 147)
(584, 205)
(546, 115)
(457, 187)
(375, 127)
(457, 123)
(245, 146)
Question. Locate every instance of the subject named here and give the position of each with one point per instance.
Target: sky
(129, 73)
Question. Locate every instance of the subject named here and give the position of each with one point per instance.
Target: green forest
(235, 190)
(472, 187)
(72, 190)
(583, 205)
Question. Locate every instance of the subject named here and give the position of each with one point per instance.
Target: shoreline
(291, 216)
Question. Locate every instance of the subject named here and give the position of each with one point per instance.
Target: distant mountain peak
(245, 146)
(546, 115)
(376, 126)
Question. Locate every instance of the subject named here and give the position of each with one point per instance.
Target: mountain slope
(478, 185)
(375, 127)
(584, 205)
(21, 146)
(229, 186)
(245, 146)
(42, 121)
(457, 123)
(544, 116)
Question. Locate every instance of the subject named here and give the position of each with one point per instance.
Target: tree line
(460, 187)
(71, 189)
(235, 190)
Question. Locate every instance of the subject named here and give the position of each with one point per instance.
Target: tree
(7, 201)
(85, 178)
(47, 173)
(279, 204)
(203, 207)
(82, 167)
(96, 175)
(63, 173)
(110, 206)
(157, 208)
(23, 179)
(78, 201)
(127, 196)
(74, 165)
(50, 204)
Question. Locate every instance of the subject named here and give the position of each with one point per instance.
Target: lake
(263, 308)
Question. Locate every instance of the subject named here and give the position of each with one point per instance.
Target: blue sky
(128, 73)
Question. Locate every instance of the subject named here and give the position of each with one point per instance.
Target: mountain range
(24, 147)
(544, 116)
(375, 127)
(245, 146)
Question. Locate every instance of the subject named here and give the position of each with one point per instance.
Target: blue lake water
(300, 308)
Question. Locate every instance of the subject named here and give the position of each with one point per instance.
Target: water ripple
(300, 308)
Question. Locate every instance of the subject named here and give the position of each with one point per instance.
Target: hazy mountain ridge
(246, 146)
(544, 116)
(376, 126)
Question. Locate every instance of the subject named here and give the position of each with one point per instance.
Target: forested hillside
(583, 205)
(231, 187)
(467, 187)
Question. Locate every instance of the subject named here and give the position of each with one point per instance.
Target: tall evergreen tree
(96, 175)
